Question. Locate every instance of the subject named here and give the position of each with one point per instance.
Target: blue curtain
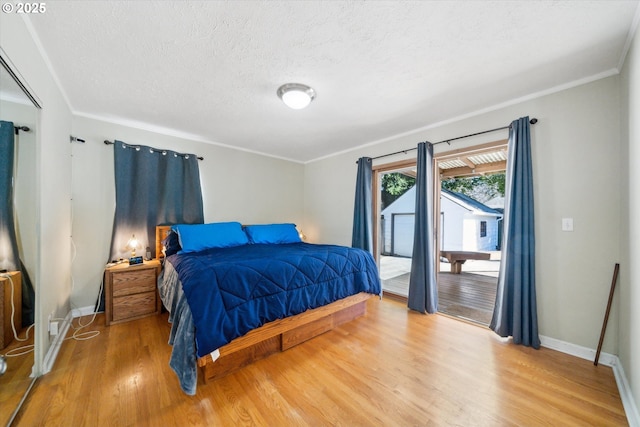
(423, 289)
(515, 312)
(362, 235)
(8, 243)
(152, 187)
(9, 255)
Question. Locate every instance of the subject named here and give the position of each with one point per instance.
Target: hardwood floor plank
(391, 367)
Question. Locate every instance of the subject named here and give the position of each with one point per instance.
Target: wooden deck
(466, 295)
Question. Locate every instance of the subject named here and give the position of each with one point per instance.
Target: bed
(251, 295)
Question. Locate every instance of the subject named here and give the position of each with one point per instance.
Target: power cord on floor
(87, 335)
(26, 349)
(83, 336)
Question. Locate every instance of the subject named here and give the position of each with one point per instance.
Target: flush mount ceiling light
(296, 95)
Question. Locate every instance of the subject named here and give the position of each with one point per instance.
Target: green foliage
(481, 188)
(395, 185)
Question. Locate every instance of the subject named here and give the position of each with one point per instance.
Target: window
(483, 228)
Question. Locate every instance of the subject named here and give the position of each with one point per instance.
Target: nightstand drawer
(134, 305)
(134, 282)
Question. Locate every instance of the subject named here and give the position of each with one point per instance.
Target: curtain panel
(423, 288)
(362, 234)
(515, 312)
(9, 252)
(152, 187)
(9, 259)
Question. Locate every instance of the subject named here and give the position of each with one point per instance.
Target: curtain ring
(164, 153)
(186, 156)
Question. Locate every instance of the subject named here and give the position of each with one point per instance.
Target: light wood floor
(392, 367)
(17, 379)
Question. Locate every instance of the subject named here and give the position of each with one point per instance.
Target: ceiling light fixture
(296, 95)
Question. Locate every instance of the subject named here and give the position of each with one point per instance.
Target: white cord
(88, 334)
(29, 348)
(77, 335)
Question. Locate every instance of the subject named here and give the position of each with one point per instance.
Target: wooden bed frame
(276, 336)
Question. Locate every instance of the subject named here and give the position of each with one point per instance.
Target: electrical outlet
(49, 322)
(53, 330)
(567, 224)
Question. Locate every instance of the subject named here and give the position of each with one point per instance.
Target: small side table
(131, 291)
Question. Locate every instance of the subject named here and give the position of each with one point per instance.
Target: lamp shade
(296, 95)
(133, 244)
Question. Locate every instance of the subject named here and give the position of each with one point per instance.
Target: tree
(394, 185)
(481, 188)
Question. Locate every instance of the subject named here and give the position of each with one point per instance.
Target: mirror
(19, 107)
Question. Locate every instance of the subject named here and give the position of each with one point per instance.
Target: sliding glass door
(471, 208)
(394, 188)
(468, 210)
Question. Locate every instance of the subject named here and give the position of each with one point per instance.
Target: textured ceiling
(210, 69)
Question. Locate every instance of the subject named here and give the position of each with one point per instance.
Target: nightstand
(131, 291)
(6, 331)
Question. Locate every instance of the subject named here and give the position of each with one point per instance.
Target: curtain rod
(17, 129)
(448, 141)
(155, 150)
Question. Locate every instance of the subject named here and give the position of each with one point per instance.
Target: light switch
(567, 224)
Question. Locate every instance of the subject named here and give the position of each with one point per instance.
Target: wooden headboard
(161, 233)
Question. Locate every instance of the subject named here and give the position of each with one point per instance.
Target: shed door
(402, 234)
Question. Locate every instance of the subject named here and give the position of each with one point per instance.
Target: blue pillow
(198, 237)
(272, 233)
(171, 243)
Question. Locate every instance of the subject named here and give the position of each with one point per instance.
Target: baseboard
(52, 353)
(630, 408)
(606, 359)
(54, 348)
(586, 353)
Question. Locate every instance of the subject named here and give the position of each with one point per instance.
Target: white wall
(53, 193)
(471, 235)
(629, 283)
(453, 228)
(576, 159)
(236, 186)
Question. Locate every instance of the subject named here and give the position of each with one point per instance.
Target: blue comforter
(231, 291)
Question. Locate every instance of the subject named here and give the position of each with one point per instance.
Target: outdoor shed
(466, 224)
